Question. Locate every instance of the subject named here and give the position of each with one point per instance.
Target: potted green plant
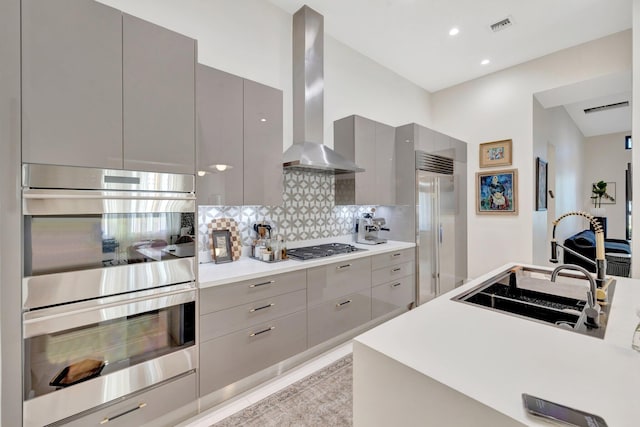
(599, 191)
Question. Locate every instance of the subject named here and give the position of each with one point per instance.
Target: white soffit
(602, 122)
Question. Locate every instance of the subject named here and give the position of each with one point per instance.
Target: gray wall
(10, 215)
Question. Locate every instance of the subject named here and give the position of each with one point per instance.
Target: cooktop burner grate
(320, 251)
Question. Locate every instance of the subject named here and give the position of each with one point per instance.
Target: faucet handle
(592, 311)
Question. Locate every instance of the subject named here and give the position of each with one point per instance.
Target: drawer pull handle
(396, 285)
(253, 310)
(340, 304)
(340, 267)
(263, 331)
(107, 419)
(255, 285)
(395, 270)
(396, 254)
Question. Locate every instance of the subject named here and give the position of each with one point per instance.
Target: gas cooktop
(321, 251)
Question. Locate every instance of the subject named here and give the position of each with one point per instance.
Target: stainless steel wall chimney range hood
(308, 152)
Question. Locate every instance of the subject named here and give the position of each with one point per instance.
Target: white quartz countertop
(247, 268)
(494, 358)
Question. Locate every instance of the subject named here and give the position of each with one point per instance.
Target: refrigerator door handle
(440, 232)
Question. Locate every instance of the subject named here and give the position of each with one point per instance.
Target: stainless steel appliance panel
(71, 316)
(68, 346)
(437, 229)
(59, 288)
(81, 178)
(66, 402)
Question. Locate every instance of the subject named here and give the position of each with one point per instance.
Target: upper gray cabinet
(71, 83)
(219, 136)
(239, 127)
(262, 144)
(370, 145)
(158, 78)
(103, 89)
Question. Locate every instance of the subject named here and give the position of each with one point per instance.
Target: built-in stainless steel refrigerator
(441, 249)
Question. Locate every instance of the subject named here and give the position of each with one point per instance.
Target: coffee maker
(367, 229)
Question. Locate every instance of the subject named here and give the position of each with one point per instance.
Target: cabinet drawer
(392, 295)
(338, 279)
(393, 258)
(222, 322)
(339, 315)
(392, 272)
(232, 357)
(145, 407)
(233, 294)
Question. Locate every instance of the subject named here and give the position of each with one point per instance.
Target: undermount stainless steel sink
(528, 293)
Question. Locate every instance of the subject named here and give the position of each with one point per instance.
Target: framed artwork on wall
(497, 192)
(541, 185)
(497, 153)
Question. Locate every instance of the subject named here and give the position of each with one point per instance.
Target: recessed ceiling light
(454, 31)
(263, 120)
(485, 62)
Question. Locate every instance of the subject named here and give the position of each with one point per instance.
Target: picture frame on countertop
(497, 192)
(221, 245)
(496, 153)
(541, 184)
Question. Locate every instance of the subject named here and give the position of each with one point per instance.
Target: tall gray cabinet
(239, 124)
(103, 89)
(158, 77)
(370, 145)
(71, 83)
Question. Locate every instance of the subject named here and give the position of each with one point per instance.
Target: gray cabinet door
(219, 135)
(71, 83)
(262, 145)
(371, 145)
(384, 187)
(158, 98)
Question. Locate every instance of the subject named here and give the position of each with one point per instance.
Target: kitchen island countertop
(247, 268)
(452, 360)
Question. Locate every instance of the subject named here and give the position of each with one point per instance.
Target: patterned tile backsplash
(308, 211)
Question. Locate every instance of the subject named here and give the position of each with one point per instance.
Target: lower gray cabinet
(144, 408)
(229, 358)
(332, 318)
(338, 279)
(391, 296)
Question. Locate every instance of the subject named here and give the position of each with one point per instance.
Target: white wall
(606, 160)
(499, 106)
(252, 39)
(557, 140)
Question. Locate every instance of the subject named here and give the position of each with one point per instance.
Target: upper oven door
(145, 237)
(70, 230)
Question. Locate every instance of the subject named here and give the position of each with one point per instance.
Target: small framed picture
(541, 185)
(221, 246)
(497, 192)
(497, 153)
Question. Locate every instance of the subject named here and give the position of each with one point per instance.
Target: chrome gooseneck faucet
(593, 309)
(600, 262)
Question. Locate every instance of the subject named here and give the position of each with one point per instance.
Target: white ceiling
(411, 37)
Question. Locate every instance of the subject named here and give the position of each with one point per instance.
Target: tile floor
(217, 413)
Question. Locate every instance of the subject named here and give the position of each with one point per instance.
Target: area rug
(324, 398)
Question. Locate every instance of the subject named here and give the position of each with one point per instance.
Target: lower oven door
(83, 355)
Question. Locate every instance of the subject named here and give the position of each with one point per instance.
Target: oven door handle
(68, 202)
(55, 319)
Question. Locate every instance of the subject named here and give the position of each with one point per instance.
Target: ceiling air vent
(501, 25)
(606, 107)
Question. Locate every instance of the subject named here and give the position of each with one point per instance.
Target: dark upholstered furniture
(618, 253)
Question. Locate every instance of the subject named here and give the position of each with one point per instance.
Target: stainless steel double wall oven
(108, 287)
